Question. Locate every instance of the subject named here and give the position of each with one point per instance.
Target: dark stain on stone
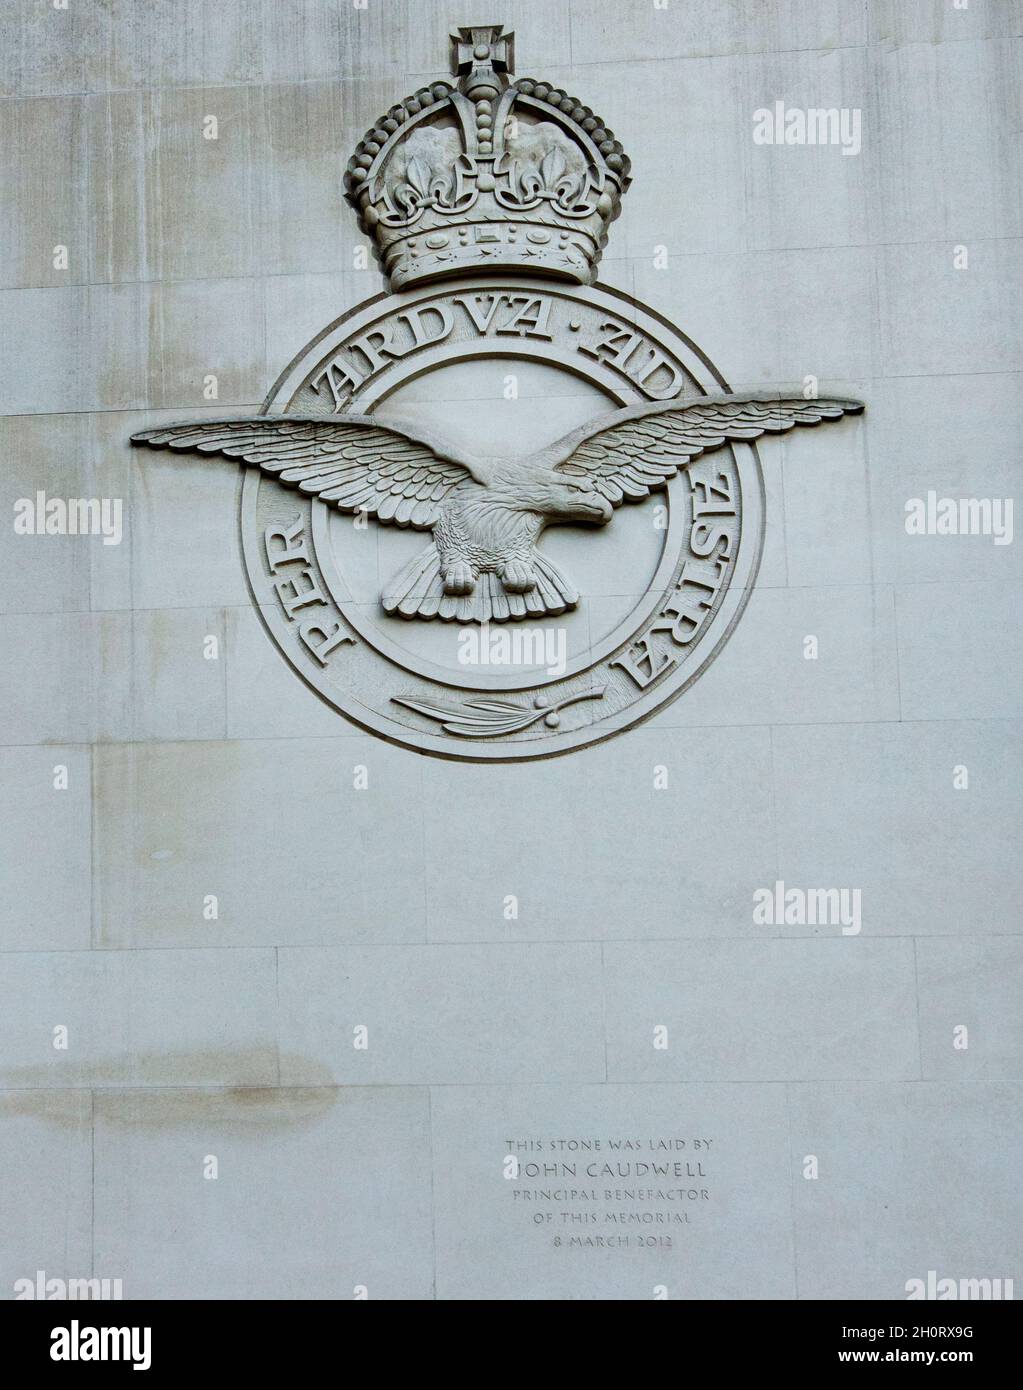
(159, 1091)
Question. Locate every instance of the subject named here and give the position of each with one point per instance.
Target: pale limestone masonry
(384, 908)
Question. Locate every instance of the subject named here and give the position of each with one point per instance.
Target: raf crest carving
(488, 203)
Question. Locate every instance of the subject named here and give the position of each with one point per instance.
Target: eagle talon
(518, 577)
(459, 578)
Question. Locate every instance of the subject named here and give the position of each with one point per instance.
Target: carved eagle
(487, 513)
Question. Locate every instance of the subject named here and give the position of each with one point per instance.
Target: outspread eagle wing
(625, 456)
(355, 462)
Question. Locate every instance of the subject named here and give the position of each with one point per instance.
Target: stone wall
(191, 775)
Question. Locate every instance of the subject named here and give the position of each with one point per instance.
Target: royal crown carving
(494, 173)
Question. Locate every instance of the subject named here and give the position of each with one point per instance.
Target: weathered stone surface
(931, 1157)
(236, 879)
(346, 1155)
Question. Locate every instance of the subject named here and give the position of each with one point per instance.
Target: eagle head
(559, 497)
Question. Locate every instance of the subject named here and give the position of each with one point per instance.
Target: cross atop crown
(482, 51)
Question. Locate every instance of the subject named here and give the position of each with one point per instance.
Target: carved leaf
(552, 168)
(570, 188)
(442, 188)
(531, 184)
(406, 198)
(418, 175)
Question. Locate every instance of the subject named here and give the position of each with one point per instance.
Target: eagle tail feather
(557, 593)
(500, 609)
(417, 587)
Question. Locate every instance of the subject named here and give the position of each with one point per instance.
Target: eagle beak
(597, 507)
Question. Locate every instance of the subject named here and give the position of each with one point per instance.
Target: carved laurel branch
(488, 716)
